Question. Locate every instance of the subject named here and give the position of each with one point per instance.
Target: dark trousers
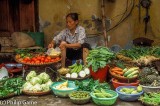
(75, 54)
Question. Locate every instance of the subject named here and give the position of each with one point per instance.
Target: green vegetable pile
(137, 52)
(156, 51)
(101, 93)
(89, 84)
(151, 99)
(19, 51)
(11, 85)
(80, 94)
(28, 52)
(99, 57)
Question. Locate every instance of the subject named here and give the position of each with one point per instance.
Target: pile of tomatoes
(40, 59)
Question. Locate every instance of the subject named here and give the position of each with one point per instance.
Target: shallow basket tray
(8, 96)
(36, 93)
(40, 64)
(63, 77)
(123, 79)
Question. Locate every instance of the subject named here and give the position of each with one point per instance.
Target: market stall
(130, 80)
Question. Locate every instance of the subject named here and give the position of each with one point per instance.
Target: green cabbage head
(31, 75)
(36, 88)
(35, 80)
(44, 77)
(45, 87)
(27, 86)
(49, 82)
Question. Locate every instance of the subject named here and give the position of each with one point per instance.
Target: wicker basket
(123, 79)
(40, 64)
(36, 93)
(8, 96)
(63, 77)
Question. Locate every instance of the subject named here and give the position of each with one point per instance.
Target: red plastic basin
(116, 83)
(101, 74)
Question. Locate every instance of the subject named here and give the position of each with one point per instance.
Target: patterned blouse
(65, 35)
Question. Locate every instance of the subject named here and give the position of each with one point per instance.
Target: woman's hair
(74, 16)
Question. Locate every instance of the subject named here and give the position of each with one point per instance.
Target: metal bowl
(19, 65)
(13, 65)
(10, 65)
(147, 89)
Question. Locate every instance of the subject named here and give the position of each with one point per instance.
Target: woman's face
(71, 24)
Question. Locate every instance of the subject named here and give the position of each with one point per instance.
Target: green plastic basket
(105, 101)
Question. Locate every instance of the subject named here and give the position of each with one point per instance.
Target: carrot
(118, 72)
(117, 69)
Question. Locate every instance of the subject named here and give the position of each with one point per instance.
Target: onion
(82, 74)
(87, 71)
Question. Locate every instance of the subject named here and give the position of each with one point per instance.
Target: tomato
(57, 58)
(39, 58)
(32, 62)
(27, 58)
(37, 61)
(34, 59)
(46, 60)
(52, 60)
(48, 57)
(42, 58)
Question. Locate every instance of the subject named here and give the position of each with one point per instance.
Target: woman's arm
(74, 45)
(56, 39)
(64, 44)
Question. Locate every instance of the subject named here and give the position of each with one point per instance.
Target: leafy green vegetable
(11, 85)
(99, 58)
(137, 52)
(151, 99)
(89, 84)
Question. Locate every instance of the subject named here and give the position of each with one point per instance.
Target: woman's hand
(63, 45)
(51, 45)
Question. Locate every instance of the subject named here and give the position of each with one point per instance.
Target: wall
(54, 11)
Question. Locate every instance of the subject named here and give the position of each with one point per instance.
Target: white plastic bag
(3, 73)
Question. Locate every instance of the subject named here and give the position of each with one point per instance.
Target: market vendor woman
(70, 40)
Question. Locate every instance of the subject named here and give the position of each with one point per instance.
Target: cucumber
(99, 95)
(132, 74)
(96, 91)
(124, 70)
(129, 71)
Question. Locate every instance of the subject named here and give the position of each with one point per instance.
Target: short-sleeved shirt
(66, 35)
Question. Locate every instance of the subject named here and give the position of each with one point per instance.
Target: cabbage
(44, 77)
(36, 88)
(31, 75)
(45, 87)
(35, 80)
(27, 86)
(49, 83)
